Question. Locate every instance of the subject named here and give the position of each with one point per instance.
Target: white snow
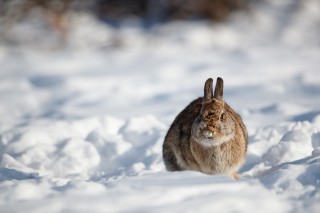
(82, 127)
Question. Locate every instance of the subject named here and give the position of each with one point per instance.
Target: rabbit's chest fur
(222, 159)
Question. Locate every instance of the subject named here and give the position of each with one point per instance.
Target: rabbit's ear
(218, 91)
(208, 95)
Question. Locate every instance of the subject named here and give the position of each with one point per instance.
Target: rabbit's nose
(212, 129)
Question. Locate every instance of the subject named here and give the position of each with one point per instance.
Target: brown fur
(182, 152)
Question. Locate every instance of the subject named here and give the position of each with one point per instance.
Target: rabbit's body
(207, 136)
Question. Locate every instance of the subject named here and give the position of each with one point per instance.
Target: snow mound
(94, 147)
(294, 144)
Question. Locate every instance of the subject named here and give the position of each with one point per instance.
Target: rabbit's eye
(222, 116)
(210, 114)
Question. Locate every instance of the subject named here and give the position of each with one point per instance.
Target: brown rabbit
(207, 136)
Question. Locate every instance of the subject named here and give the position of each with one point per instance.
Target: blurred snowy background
(88, 90)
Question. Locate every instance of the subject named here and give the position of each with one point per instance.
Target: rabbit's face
(213, 126)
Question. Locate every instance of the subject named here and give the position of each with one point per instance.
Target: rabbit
(207, 136)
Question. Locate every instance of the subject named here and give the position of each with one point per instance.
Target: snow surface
(82, 127)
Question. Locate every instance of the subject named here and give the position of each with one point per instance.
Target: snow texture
(82, 127)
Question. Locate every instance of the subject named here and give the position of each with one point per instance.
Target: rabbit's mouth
(208, 134)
